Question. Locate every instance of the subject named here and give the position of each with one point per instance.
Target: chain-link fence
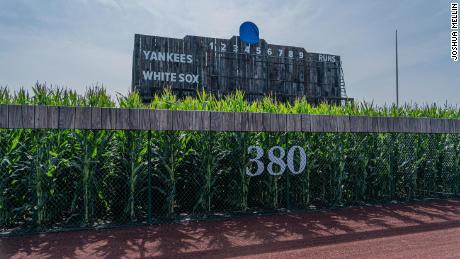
(67, 179)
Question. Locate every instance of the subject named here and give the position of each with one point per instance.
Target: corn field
(58, 179)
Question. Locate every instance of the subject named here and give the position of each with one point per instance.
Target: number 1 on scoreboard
(223, 46)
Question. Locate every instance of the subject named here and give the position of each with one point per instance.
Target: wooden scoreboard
(221, 66)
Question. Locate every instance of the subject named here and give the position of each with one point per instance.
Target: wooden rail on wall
(60, 117)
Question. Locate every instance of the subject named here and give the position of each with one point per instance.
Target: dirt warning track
(429, 229)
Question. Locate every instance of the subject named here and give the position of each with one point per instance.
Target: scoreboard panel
(221, 66)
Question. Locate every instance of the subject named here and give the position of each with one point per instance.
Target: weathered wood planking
(52, 117)
(82, 118)
(456, 124)
(61, 117)
(247, 121)
(329, 123)
(343, 124)
(133, 119)
(96, 118)
(201, 121)
(316, 123)
(224, 65)
(122, 119)
(3, 116)
(385, 124)
(28, 116)
(15, 116)
(41, 117)
(161, 120)
(216, 121)
(108, 118)
(144, 119)
(66, 117)
(294, 122)
(255, 122)
(306, 122)
(182, 120)
(277, 122)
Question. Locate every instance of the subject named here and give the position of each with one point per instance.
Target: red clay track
(417, 230)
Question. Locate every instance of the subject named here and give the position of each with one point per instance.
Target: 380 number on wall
(276, 155)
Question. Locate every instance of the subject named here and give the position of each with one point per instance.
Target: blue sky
(80, 43)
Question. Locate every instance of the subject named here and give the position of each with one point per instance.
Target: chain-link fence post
(149, 176)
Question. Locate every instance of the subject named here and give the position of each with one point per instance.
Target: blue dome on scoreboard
(249, 33)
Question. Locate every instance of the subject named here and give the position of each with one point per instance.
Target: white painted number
(278, 160)
(247, 49)
(290, 160)
(260, 164)
(276, 156)
(281, 52)
(223, 46)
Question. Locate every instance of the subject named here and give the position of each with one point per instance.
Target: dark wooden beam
(61, 117)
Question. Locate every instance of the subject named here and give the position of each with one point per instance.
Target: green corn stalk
(449, 165)
(84, 164)
(406, 166)
(88, 179)
(456, 179)
(382, 186)
(170, 156)
(272, 181)
(42, 170)
(207, 167)
(240, 154)
(136, 167)
(305, 177)
(4, 175)
(233, 160)
(11, 165)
